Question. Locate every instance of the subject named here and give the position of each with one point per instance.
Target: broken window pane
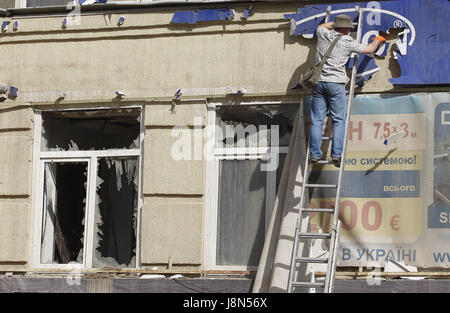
(63, 216)
(251, 125)
(90, 129)
(116, 213)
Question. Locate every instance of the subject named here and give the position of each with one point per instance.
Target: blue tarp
(207, 15)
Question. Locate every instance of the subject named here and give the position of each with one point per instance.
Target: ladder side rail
(333, 265)
(298, 223)
(328, 17)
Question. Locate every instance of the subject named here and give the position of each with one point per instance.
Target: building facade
(115, 151)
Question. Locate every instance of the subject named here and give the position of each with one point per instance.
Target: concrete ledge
(73, 284)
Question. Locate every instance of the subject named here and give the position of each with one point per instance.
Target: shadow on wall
(302, 68)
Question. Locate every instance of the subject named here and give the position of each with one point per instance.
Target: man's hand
(326, 25)
(373, 46)
(380, 39)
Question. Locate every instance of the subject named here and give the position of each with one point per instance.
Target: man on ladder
(334, 48)
(330, 91)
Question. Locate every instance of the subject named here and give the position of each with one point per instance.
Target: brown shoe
(336, 161)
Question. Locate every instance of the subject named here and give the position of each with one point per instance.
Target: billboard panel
(395, 201)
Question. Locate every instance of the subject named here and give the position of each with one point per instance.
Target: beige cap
(342, 21)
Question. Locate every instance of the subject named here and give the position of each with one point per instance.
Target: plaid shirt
(334, 68)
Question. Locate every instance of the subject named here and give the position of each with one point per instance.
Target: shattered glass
(90, 130)
(66, 188)
(64, 207)
(116, 213)
(251, 125)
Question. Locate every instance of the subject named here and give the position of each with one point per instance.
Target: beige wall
(15, 183)
(147, 58)
(7, 4)
(172, 216)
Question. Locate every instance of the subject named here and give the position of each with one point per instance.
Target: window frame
(90, 156)
(19, 4)
(213, 156)
(42, 163)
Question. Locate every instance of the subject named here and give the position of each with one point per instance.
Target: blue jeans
(329, 96)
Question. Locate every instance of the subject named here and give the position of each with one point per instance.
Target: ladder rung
(311, 260)
(323, 162)
(315, 235)
(322, 185)
(327, 210)
(308, 284)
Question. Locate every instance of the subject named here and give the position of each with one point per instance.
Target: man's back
(334, 68)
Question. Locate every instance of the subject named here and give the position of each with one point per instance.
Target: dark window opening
(90, 130)
(64, 212)
(116, 208)
(259, 116)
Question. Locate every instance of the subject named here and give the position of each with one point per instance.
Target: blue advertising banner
(439, 211)
(422, 47)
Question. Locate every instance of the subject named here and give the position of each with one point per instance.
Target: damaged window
(115, 213)
(247, 178)
(90, 187)
(90, 130)
(254, 125)
(64, 212)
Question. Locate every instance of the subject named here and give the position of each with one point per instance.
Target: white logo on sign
(401, 18)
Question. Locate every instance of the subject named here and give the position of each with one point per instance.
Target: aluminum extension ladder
(333, 236)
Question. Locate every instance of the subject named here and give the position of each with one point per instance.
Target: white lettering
(444, 218)
(366, 37)
(402, 42)
(194, 303)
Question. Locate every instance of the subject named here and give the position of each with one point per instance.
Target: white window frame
(213, 157)
(19, 4)
(90, 156)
